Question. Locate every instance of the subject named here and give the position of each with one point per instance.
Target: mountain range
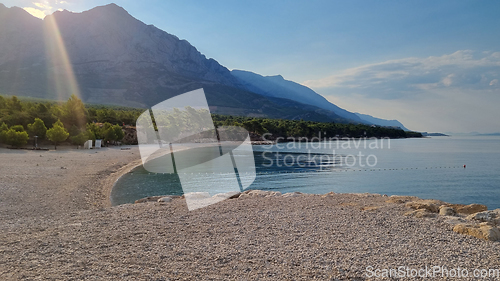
(109, 57)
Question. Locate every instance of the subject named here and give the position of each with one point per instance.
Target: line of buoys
(320, 170)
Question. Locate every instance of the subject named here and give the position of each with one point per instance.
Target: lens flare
(60, 70)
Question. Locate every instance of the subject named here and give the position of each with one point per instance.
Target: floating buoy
(464, 166)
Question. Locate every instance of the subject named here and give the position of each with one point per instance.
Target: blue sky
(433, 65)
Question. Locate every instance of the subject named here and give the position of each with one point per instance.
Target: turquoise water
(427, 168)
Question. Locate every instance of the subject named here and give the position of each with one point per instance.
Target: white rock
(292, 194)
(165, 199)
(196, 195)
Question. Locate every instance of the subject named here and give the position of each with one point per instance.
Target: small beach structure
(87, 144)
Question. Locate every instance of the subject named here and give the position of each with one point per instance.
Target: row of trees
(76, 122)
(299, 128)
(17, 136)
(72, 113)
(58, 122)
(179, 122)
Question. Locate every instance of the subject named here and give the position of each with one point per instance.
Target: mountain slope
(278, 87)
(108, 57)
(381, 122)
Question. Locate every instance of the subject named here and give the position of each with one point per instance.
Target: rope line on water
(311, 170)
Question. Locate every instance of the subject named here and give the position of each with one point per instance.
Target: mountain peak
(110, 8)
(276, 77)
(15, 13)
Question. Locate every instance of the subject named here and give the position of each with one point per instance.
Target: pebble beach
(56, 223)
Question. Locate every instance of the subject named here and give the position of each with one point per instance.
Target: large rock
(492, 216)
(471, 209)
(483, 231)
(446, 211)
(429, 205)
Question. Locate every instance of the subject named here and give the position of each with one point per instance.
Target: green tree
(37, 128)
(43, 112)
(16, 138)
(118, 132)
(57, 133)
(79, 139)
(74, 113)
(113, 133)
(3, 132)
(94, 131)
(14, 104)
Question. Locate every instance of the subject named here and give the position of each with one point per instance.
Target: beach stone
(429, 205)
(258, 193)
(292, 194)
(274, 194)
(227, 195)
(148, 199)
(492, 216)
(366, 194)
(329, 194)
(484, 231)
(446, 211)
(397, 199)
(235, 195)
(244, 195)
(471, 209)
(420, 213)
(453, 220)
(165, 199)
(197, 195)
(370, 208)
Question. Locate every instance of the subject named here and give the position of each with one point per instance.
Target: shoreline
(51, 228)
(110, 181)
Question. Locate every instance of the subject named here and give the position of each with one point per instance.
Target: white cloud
(452, 92)
(42, 8)
(405, 78)
(43, 5)
(448, 80)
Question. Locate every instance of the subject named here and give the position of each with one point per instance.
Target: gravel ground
(55, 225)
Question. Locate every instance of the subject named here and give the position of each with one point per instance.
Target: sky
(432, 65)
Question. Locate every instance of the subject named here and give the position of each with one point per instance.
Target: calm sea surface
(427, 168)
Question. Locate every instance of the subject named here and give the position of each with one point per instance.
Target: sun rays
(60, 70)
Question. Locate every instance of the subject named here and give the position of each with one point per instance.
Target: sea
(462, 170)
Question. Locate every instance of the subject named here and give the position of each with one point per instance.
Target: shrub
(16, 138)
